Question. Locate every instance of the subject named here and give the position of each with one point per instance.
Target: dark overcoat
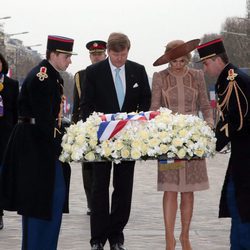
(27, 179)
(234, 127)
(9, 96)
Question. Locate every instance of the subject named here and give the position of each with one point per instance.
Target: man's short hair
(223, 57)
(118, 42)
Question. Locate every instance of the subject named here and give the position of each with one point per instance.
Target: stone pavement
(145, 230)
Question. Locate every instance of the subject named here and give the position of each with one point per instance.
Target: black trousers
(1, 210)
(107, 223)
(87, 173)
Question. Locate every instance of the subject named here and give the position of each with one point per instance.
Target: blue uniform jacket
(233, 90)
(27, 179)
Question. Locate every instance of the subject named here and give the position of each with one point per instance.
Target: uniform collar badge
(42, 74)
(231, 75)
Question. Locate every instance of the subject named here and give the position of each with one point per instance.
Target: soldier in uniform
(9, 89)
(97, 49)
(233, 96)
(33, 181)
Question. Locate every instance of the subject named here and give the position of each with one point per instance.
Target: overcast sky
(150, 25)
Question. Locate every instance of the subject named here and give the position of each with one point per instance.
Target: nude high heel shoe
(171, 244)
(185, 243)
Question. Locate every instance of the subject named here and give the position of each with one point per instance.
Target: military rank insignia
(231, 75)
(42, 74)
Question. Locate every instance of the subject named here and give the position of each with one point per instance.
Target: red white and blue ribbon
(124, 116)
(113, 123)
(107, 130)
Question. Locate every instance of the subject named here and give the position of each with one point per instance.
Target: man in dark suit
(233, 91)
(103, 94)
(9, 89)
(97, 53)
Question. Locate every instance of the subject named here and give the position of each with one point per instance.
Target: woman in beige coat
(182, 90)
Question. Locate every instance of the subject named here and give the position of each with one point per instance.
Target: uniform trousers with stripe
(240, 232)
(41, 234)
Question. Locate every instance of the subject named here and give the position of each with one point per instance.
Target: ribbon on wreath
(170, 164)
(113, 123)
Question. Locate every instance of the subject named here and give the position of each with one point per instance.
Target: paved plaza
(145, 230)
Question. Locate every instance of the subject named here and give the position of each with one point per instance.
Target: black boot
(97, 246)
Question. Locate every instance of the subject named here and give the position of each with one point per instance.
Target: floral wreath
(138, 136)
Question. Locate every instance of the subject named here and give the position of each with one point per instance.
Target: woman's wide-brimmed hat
(176, 49)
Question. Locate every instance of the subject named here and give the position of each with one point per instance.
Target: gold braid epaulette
(233, 85)
(78, 86)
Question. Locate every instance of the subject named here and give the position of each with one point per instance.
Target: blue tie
(119, 87)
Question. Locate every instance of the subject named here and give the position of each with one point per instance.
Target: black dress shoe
(1, 222)
(97, 246)
(117, 246)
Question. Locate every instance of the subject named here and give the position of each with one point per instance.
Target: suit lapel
(108, 75)
(110, 87)
(130, 80)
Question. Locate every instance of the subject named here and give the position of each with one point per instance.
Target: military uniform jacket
(233, 91)
(9, 119)
(80, 78)
(27, 181)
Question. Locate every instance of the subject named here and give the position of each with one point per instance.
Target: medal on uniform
(1, 82)
(1, 86)
(1, 106)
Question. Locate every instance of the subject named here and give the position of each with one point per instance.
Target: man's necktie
(119, 87)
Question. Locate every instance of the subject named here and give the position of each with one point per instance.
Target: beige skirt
(188, 176)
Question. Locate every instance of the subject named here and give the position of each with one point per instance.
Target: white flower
(135, 154)
(125, 153)
(90, 156)
(177, 142)
(181, 153)
(163, 149)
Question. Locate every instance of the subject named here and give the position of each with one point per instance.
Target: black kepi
(60, 44)
(210, 49)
